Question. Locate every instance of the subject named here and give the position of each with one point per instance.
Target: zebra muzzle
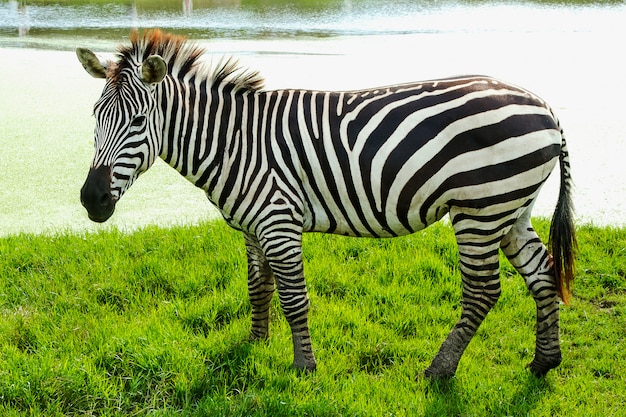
(95, 195)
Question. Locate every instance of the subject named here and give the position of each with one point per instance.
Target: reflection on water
(187, 7)
(22, 22)
(40, 24)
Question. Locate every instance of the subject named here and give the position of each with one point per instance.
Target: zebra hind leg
(530, 257)
(260, 288)
(481, 289)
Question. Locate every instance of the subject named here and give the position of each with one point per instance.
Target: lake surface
(571, 55)
(25, 24)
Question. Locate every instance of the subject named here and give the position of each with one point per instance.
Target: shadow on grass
(444, 398)
(227, 372)
(449, 398)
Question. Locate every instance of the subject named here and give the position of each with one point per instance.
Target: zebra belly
(341, 226)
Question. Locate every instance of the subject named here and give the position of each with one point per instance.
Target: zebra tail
(562, 241)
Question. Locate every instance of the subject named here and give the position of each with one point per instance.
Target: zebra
(380, 162)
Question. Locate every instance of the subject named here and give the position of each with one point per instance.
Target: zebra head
(128, 128)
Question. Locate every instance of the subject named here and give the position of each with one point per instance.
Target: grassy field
(155, 322)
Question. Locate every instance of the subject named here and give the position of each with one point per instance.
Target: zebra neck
(200, 123)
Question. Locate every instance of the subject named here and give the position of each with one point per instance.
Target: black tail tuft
(563, 245)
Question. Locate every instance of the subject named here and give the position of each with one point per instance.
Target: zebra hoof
(437, 375)
(540, 366)
(258, 337)
(304, 364)
(305, 369)
(443, 367)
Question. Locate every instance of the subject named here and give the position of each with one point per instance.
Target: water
(57, 27)
(568, 54)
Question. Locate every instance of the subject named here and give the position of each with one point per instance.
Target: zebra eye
(138, 120)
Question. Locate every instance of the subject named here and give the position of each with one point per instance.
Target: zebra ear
(153, 69)
(95, 66)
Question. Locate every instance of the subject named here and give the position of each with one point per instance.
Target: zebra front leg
(260, 288)
(530, 257)
(481, 289)
(284, 255)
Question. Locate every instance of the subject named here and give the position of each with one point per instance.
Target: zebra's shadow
(448, 398)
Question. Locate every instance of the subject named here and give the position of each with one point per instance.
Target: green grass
(156, 322)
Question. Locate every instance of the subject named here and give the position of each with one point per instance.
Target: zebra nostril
(105, 199)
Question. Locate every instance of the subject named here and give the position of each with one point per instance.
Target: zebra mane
(183, 58)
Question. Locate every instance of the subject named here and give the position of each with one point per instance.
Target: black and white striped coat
(380, 162)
